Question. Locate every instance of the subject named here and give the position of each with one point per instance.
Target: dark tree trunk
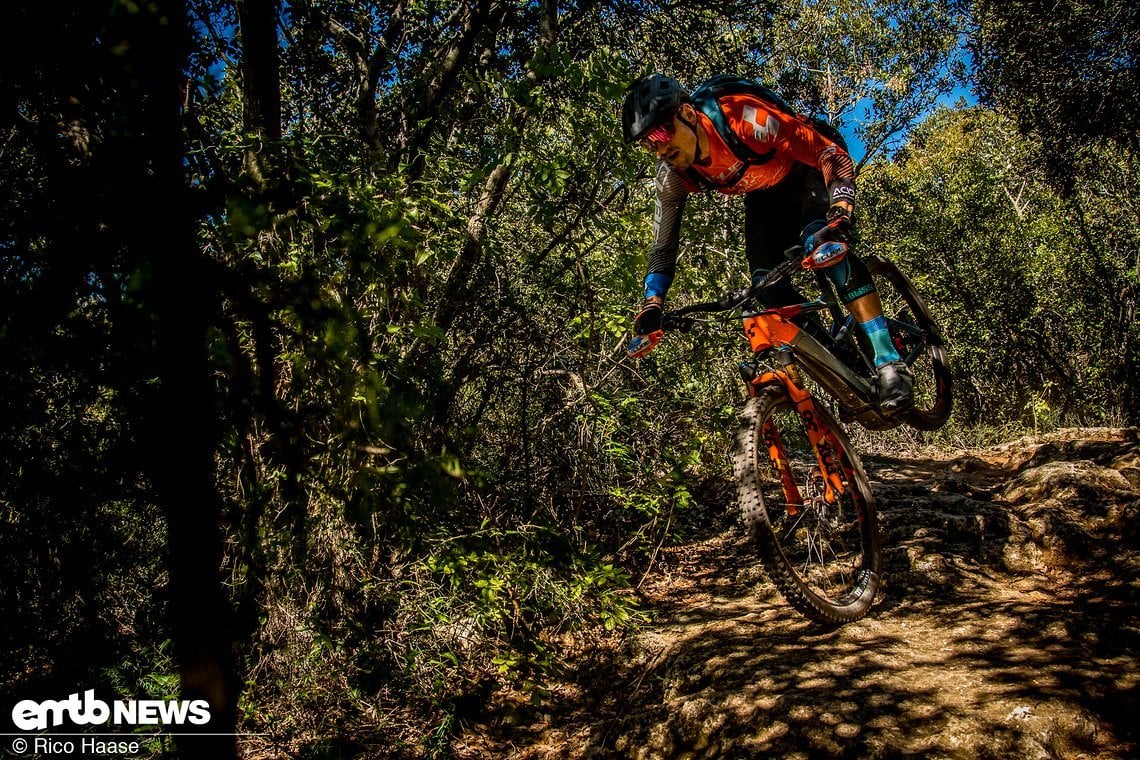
(261, 88)
(179, 434)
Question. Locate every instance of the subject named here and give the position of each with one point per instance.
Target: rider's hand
(839, 220)
(819, 232)
(647, 330)
(813, 235)
(648, 320)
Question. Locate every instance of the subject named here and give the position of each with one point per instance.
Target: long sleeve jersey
(770, 131)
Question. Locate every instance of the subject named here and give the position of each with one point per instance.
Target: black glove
(839, 220)
(648, 320)
(819, 232)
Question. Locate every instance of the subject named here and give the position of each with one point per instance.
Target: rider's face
(680, 151)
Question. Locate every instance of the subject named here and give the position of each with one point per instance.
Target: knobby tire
(826, 560)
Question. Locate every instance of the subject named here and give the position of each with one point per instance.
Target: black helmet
(650, 102)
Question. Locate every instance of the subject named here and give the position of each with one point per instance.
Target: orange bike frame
(771, 329)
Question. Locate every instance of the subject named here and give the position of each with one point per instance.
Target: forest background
(313, 393)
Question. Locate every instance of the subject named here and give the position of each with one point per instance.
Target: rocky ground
(1007, 628)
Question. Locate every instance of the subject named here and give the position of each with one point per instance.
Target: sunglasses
(659, 136)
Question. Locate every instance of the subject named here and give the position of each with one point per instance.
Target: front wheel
(919, 342)
(815, 526)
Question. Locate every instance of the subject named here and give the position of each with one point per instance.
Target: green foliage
(877, 67)
(1066, 72)
(964, 212)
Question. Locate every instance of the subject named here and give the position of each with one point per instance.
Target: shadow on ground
(1007, 628)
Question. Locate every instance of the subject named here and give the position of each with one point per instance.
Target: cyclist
(798, 182)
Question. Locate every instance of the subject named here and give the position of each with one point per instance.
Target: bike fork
(788, 377)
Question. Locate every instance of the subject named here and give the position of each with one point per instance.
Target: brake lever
(795, 253)
(792, 261)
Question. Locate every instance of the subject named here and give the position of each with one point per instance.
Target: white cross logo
(765, 132)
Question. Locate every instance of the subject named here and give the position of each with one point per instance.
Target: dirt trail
(1008, 627)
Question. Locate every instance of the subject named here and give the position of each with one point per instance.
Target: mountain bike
(801, 489)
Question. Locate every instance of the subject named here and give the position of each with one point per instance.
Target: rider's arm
(670, 203)
(807, 145)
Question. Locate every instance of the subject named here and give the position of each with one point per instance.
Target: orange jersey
(771, 132)
(778, 139)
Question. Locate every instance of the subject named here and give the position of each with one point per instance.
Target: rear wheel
(918, 340)
(816, 531)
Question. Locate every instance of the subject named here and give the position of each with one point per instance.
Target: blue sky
(855, 145)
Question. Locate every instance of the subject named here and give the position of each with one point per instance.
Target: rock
(970, 463)
(1083, 480)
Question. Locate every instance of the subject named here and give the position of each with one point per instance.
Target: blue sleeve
(657, 284)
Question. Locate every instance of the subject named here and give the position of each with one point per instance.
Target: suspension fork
(788, 377)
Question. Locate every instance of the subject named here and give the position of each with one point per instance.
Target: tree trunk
(178, 419)
(261, 87)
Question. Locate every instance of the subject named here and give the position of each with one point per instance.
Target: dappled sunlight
(968, 652)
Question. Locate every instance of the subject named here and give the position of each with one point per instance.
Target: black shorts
(773, 220)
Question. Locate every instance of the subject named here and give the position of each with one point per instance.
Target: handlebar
(736, 298)
(680, 321)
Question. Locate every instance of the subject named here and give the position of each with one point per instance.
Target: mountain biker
(798, 181)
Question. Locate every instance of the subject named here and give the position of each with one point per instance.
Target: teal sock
(880, 337)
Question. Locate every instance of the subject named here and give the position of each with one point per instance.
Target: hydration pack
(706, 99)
